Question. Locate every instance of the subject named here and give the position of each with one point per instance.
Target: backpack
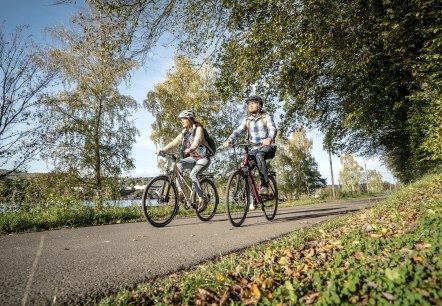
(264, 124)
(210, 141)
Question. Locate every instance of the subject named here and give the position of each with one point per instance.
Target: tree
(374, 181)
(351, 174)
(21, 81)
(189, 87)
(90, 131)
(369, 69)
(297, 169)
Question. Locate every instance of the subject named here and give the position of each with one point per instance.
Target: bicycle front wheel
(160, 201)
(269, 202)
(237, 197)
(211, 194)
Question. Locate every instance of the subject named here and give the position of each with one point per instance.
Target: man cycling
(260, 129)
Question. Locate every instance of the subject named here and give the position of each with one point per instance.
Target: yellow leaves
(284, 261)
(238, 269)
(417, 258)
(422, 246)
(220, 278)
(375, 235)
(255, 291)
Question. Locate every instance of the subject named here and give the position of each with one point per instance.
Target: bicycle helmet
(188, 113)
(256, 99)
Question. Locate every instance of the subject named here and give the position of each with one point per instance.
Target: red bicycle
(241, 189)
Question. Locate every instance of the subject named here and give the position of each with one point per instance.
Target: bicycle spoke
(160, 203)
(269, 201)
(210, 193)
(237, 199)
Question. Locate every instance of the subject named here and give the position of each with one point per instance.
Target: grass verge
(388, 255)
(64, 213)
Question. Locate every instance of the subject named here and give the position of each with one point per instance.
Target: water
(119, 203)
(108, 203)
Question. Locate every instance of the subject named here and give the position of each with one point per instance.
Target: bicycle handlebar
(165, 154)
(251, 144)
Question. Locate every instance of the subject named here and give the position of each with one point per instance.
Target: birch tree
(190, 86)
(297, 169)
(351, 174)
(90, 129)
(374, 181)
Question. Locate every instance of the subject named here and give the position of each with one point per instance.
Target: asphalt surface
(79, 266)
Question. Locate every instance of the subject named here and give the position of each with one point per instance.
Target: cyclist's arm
(238, 132)
(271, 127)
(174, 143)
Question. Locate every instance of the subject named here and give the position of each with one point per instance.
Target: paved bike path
(76, 266)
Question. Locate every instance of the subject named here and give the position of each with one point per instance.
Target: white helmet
(186, 114)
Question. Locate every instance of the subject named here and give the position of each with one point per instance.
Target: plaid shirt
(257, 132)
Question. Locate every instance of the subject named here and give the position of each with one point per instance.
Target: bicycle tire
(160, 201)
(209, 190)
(237, 198)
(269, 202)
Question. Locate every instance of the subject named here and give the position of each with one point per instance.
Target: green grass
(64, 213)
(388, 255)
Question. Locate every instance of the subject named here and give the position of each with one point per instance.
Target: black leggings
(261, 154)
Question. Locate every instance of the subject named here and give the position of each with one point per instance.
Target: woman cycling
(194, 149)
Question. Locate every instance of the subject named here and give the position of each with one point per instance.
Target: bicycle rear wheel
(269, 202)
(237, 198)
(160, 201)
(211, 194)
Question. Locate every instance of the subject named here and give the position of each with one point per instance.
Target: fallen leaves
(370, 258)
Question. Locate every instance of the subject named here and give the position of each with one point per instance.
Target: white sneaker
(251, 206)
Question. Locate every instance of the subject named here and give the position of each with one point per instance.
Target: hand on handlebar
(159, 153)
(227, 144)
(267, 142)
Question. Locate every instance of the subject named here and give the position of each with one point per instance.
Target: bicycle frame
(161, 197)
(247, 167)
(242, 191)
(175, 173)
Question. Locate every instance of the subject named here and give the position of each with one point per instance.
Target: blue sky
(39, 14)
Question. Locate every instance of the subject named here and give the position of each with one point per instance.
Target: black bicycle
(161, 199)
(241, 189)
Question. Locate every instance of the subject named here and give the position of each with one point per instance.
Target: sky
(40, 14)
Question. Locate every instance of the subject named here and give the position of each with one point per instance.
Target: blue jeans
(197, 167)
(261, 154)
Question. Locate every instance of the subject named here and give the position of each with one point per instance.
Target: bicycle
(161, 202)
(241, 185)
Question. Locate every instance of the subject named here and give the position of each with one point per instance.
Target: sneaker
(251, 206)
(202, 204)
(263, 190)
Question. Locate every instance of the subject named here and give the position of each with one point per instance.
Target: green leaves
(394, 275)
(89, 129)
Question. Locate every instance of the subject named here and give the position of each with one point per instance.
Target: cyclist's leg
(261, 154)
(201, 165)
(186, 163)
